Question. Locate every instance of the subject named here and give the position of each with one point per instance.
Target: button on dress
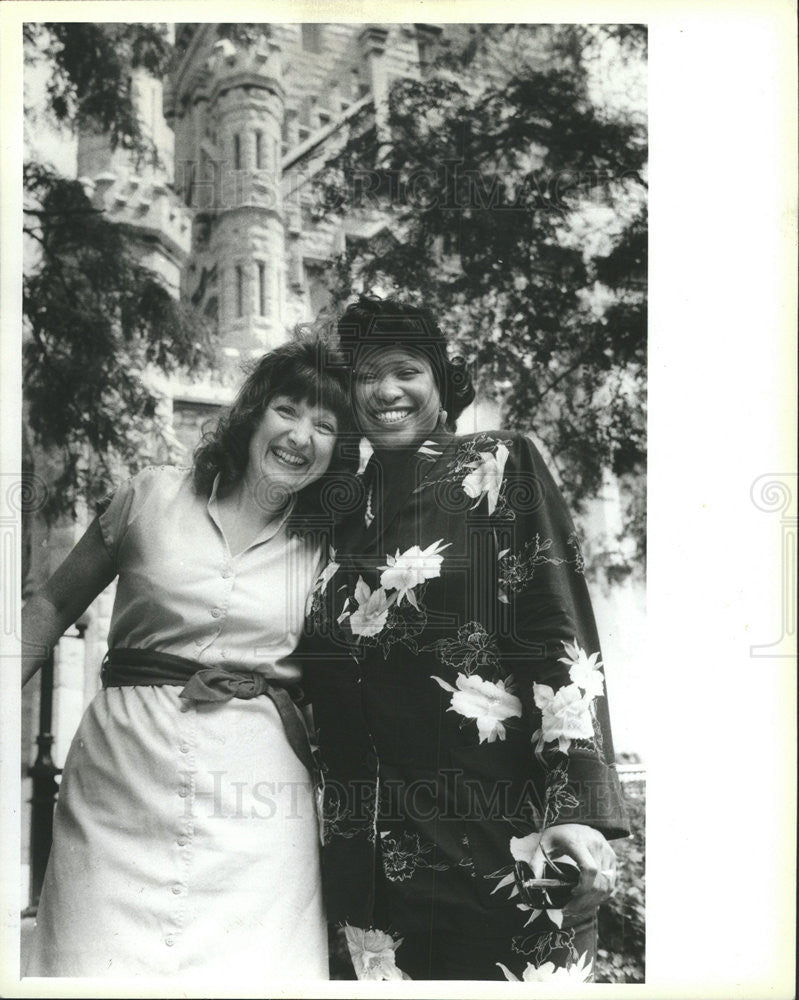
(185, 837)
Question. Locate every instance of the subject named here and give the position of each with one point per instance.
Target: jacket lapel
(421, 465)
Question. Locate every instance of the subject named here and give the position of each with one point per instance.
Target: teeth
(286, 456)
(392, 416)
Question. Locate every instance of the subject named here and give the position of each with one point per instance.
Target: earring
(442, 417)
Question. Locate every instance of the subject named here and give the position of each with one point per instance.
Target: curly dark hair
(378, 322)
(305, 371)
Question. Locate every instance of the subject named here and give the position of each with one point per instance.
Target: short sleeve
(119, 509)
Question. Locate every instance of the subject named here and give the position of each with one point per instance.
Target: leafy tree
(97, 322)
(516, 209)
(88, 69)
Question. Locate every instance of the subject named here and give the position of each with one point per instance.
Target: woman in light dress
(185, 838)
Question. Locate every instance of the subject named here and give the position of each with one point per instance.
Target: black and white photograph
(336, 499)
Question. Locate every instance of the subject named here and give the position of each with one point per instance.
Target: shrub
(620, 954)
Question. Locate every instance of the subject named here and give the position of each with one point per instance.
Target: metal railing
(45, 790)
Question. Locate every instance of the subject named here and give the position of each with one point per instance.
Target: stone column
(373, 48)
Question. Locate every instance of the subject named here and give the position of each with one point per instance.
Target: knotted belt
(147, 667)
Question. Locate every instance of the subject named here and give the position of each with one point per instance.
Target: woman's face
(293, 444)
(397, 402)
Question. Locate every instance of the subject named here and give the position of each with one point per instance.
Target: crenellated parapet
(256, 66)
(150, 208)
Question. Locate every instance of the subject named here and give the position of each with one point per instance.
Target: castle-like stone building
(241, 127)
(242, 123)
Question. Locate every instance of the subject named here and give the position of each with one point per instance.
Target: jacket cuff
(599, 798)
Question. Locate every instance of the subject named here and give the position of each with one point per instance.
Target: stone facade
(249, 124)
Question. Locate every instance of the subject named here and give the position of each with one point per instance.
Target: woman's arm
(84, 574)
(548, 641)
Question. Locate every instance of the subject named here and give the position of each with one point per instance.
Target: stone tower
(226, 105)
(252, 119)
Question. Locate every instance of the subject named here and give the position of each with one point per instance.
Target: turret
(227, 105)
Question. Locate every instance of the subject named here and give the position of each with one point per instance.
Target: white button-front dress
(185, 840)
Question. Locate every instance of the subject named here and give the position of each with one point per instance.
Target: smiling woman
(292, 412)
(459, 695)
(290, 448)
(186, 797)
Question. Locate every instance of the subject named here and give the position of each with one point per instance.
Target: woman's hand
(587, 848)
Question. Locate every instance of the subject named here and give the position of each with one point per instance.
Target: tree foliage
(516, 208)
(98, 324)
(89, 68)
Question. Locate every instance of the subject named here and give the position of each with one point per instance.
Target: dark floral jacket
(458, 693)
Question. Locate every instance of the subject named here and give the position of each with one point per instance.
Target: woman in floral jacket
(457, 686)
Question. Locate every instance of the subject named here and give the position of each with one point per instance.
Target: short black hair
(377, 322)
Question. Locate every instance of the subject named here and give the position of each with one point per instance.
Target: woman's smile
(288, 457)
(392, 416)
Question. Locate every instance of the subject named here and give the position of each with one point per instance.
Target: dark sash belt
(146, 667)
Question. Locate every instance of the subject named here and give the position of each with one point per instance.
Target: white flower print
(405, 854)
(372, 611)
(507, 880)
(566, 715)
(373, 954)
(321, 582)
(430, 449)
(412, 567)
(553, 916)
(577, 972)
(585, 671)
(488, 703)
(326, 575)
(524, 848)
(486, 478)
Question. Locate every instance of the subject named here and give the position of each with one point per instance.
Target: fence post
(45, 789)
